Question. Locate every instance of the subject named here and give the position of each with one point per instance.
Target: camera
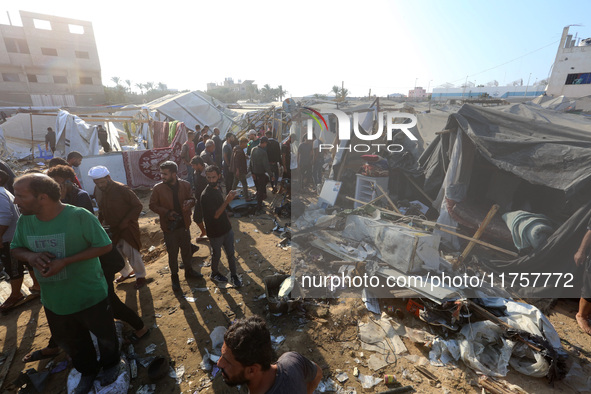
(173, 224)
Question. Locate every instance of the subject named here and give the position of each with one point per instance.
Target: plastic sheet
(120, 385)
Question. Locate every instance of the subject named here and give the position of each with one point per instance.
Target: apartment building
(49, 61)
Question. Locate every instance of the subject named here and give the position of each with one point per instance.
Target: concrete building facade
(417, 92)
(571, 72)
(49, 61)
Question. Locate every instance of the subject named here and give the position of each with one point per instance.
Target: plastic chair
(43, 154)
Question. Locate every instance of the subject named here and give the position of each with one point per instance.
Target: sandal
(10, 303)
(139, 283)
(122, 278)
(37, 355)
(133, 338)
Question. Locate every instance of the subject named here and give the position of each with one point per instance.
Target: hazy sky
(309, 46)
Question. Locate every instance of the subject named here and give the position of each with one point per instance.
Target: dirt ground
(328, 335)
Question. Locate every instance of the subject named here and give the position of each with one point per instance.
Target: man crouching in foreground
(62, 243)
(246, 359)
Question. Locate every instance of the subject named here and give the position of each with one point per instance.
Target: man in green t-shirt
(62, 243)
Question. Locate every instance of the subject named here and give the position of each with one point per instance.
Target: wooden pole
(479, 242)
(442, 227)
(420, 190)
(32, 139)
(477, 235)
(367, 202)
(388, 198)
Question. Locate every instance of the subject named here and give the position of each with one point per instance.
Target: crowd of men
(49, 227)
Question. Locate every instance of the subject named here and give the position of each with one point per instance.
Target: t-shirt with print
(294, 372)
(79, 285)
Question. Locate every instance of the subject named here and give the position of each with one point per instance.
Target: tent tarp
(74, 134)
(17, 132)
(550, 154)
(550, 158)
(194, 108)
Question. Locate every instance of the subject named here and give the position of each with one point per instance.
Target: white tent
(74, 134)
(24, 132)
(193, 108)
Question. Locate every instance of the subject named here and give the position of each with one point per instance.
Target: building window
(578, 79)
(82, 55)
(76, 29)
(42, 24)
(10, 77)
(60, 79)
(86, 80)
(49, 51)
(32, 77)
(16, 45)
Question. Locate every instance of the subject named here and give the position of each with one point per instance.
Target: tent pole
(109, 134)
(32, 140)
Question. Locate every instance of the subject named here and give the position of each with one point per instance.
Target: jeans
(274, 174)
(72, 333)
(175, 240)
(261, 184)
(190, 175)
(227, 242)
(242, 179)
(228, 178)
(120, 310)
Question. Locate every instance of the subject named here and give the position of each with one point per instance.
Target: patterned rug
(142, 168)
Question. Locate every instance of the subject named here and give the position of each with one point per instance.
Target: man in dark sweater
(239, 168)
(219, 228)
(218, 147)
(274, 154)
(259, 167)
(200, 182)
(227, 150)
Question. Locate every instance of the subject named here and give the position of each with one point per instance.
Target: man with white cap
(252, 141)
(120, 209)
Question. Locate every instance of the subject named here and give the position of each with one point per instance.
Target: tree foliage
(264, 95)
(148, 91)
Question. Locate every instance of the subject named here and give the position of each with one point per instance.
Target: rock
(317, 310)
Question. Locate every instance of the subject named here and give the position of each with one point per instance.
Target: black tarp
(558, 157)
(553, 165)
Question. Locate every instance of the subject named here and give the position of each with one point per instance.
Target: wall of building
(54, 66)
(572, 63)
(500, 92)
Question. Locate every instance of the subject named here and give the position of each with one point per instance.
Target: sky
(310, 46)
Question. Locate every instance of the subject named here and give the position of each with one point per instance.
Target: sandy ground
(327, 335)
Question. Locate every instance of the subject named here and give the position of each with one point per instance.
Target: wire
(507, 62)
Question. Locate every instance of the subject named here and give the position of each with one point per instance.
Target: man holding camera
(172, 200)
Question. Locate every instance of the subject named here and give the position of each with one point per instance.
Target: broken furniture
(366, 188)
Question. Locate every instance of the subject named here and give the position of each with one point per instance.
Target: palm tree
(344, 93)
(128, 82)
(266, 93)
(149, 86)
(335, 90)
(281, 92)
(140, 86)
(162, 86)
(116, 80)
